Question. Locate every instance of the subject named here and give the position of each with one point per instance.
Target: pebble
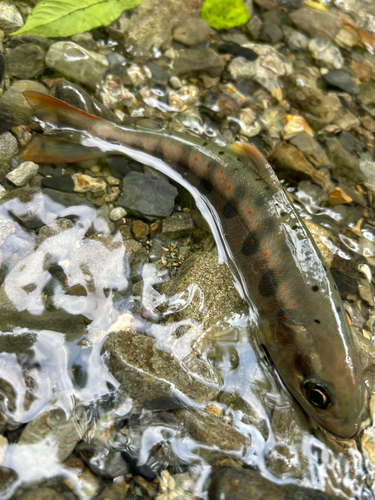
(295, 39)
(325, 53)
(199, 62)
(146, 196)
(25, 61)
(117, 214)
(138, 74)
(254, 26)
(84, 183)
(23, 173)
(140, 230)
(8, 146)
(238, 483)
(159, 74)
(73, 61)
(192, 31)
(112, 181)
(10, 18)
(342, 80)
(295, 125)
(113, 93)
(237, 51)
(61, 182)
(183, 98)
(178, 225)
(271, 33)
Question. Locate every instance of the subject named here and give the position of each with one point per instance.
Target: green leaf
(224, 14)
(62, 18)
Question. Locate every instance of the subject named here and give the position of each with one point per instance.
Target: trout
(303, 329)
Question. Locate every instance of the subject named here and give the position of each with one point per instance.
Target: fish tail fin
(59, 114)
(43, 149)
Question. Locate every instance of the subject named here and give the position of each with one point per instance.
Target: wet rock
(178, 225)
(8, 146)
(342, 80)
(212, 431)
(310, 148)
(287, 157)
(56, 227)
(57, 321)
(2, 68)
(117, 214)
(148, 374)
(302, 92)
(159, 75)
(25, 61)
(84, 183)
(325, 53)
(140, 230)
(266, 69)
(254, 26)
(65, 428)
(271, 33)
(72, 204)
(198, 62)
(101, 460)
(184, 97)
(113, 93)
(27, 205)
(23, 173)
(216, 290)
(77, 63)
(153, 22)
(295, 125)
(246, 484)
(237, 51)
(146, 196)
(74, 95)
(10, 18)
(295, 39)
(41, 494)
(14, 108)
(60, 182)
(316, 23)
(345, 164)
(192, 31)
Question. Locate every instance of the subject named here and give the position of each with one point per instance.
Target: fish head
(322, 373)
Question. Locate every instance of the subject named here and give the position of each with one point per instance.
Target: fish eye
(317, 394)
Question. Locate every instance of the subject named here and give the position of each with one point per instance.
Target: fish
(303, 326)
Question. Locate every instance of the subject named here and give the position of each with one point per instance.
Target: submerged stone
(8, 146)
(146, 196)
(25, 61)
(342, 80)
(23, 173)
(178, 225)
(10, 18)
(149, 375)
(77, 63)
(192, 31)
(27, 205)
(198, 61)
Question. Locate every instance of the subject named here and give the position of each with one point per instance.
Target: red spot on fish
(265, 255)
(285, 317)
(265, 227)
(196, 158)
(240, 190)
(221, 171)
(232, 242)
(219, 178)
(208, 166)
(281, 271)
(250, 211)
(294, 305)
(238, 201)
(229, 188)
(278, 236)
(185, 150)
(217, 208)
(258, 225)
(225, 179)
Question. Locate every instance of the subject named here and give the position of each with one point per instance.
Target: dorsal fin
(58, 113)
(254, 159)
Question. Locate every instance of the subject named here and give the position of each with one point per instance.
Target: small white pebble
(23, 173)
(117, 214)
(113, 181)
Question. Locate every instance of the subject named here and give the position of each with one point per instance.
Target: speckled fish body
(303, 324)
